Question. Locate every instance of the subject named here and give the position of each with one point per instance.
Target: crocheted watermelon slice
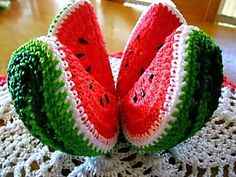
(176, 94)
(168, 85)
(59, 101)
(148, 36)
(77, 27)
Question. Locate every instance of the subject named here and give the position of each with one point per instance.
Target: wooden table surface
(26, 19)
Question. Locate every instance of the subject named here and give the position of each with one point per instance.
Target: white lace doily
(211, 152)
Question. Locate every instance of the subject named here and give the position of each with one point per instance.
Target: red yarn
(81, 33)
(141, 107)
(97, 101)
(3, 80)
(146, 40)
(228, 83)
(117, 55)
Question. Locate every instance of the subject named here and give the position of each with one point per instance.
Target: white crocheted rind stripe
(84, 126)
(171, 7)
(138, 141)
(174, 92)
(115, 68)
(63, 15)
(210, 152)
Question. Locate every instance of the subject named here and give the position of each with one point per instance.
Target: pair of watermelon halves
(168, 85)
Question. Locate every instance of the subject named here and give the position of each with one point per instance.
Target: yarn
(210, 151)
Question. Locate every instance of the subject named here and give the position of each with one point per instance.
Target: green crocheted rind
(33, 76)
(200, 96)
(24, 85)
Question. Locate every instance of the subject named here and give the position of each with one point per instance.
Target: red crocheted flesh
(117, 55)
(81, 33)
(228, 83)
(141, 107)
(146, 40)
(3, 80)
(97, 101)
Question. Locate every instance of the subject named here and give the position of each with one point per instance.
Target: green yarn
(62, 120)
(33, 83)
(23, 83)
(200, 94)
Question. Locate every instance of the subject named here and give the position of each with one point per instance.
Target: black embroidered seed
(83, 41)
(142, 71)
(80, 55)
(101, 102)
(126, 64)
(88, 69)
(158, 47)
(143, 93)
(91, 85)
(138, 37)
(135, 98)
(107, 98)
(151, 76)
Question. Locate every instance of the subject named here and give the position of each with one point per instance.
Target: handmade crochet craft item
(167, 98)
(175, 95)
(168, 86)
(59, 101)
(210, 152)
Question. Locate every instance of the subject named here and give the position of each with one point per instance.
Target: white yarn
(5, 100)
(211, 151)
(115, 67)
(84, 126)
(71, 6)
(177, 74)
